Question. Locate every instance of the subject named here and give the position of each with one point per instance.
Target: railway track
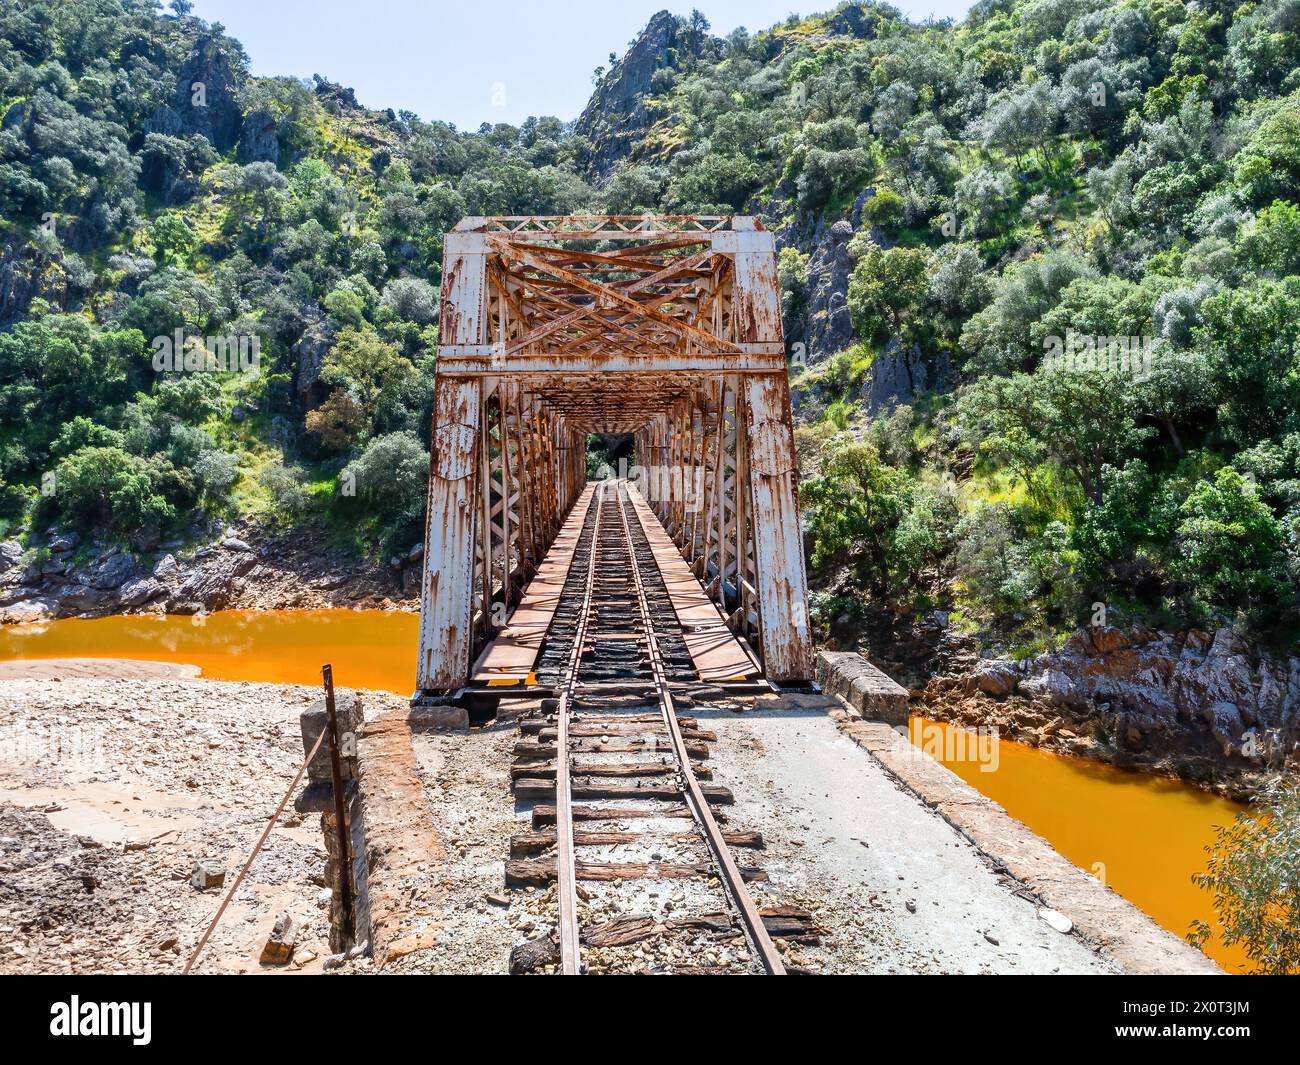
(627, 823)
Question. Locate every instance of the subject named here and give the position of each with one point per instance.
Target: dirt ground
(115, 778)
(466, 780)
(894, 887)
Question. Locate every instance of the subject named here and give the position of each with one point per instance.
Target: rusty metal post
(770, 467)
(778, 538)
(446, 591)
(340, 809)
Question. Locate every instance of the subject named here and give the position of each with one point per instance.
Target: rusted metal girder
(667, 328)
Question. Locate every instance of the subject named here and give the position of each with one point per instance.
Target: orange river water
(1144, 835)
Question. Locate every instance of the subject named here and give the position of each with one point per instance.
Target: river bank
(245, 565)
(1204, 707)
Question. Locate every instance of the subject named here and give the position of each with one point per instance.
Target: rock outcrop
(898, 375)
(823, 324)
(21, 270)
(1203, 706)
(615, 117)
(206, 91)
(309, 353)
(249, 568)
(259, 138)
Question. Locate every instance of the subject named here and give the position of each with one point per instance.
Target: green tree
(867, 514)
(887, 291)
(173, 239)
(1274, 246)
(1081, 421)
(1253, 875)
(371, 371)
(1230, 544)
(106, 485)
(1251, 338)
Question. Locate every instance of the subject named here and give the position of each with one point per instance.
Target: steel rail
(735, 882)
(567, 881)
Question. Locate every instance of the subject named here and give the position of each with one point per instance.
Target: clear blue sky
(456, 61)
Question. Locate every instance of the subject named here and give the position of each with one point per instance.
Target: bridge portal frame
(553, 328)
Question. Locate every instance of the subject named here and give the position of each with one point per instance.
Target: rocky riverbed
(1203, 706)
(243, 566)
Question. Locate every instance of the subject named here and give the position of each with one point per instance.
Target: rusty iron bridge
(667, 328)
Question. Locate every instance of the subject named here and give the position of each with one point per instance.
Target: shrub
(1252, 873)
(105, 485)
(287, 488)
(391, 475)
(412, 299)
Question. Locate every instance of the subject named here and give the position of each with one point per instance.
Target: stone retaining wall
(861, 685)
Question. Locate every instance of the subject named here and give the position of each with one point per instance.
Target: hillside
(1040, 273)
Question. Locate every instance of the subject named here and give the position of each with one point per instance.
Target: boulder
(1103, 639)
(278, 949)
(11, 553)
(64, 542)
(146, 539)
(113, 571)
(1054, 687)
(995, 677)
(36, 608)
(139, 591)
(897, 375)
(82, 598)
(214, 583)
(207, 874)
(166, 567)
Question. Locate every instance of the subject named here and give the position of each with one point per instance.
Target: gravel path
(894, 887)
(466, 778)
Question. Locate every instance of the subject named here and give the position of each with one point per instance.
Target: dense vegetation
(1046, 169)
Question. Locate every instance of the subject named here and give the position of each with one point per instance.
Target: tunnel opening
(609, 455)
